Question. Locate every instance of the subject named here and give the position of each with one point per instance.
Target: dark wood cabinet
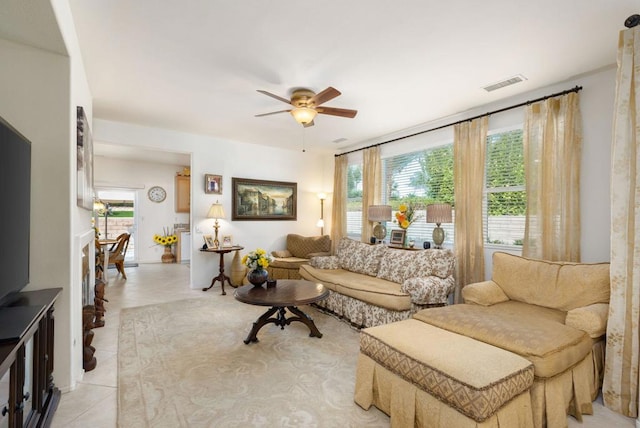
(28, 396)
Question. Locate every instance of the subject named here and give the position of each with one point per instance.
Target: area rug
(184, 364)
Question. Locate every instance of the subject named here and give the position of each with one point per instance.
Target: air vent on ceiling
(506, 82)
(339, 140)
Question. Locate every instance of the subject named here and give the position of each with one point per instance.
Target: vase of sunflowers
(405, 216)
(166, 240)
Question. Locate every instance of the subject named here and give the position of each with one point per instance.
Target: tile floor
(94, 401)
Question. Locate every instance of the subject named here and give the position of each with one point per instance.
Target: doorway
(116, 214)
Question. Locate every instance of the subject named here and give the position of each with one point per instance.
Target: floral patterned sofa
(371, 285)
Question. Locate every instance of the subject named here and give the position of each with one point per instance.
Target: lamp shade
(320, 223)
(303, 115)
(379, 213)
(439, 213)
(216, 211)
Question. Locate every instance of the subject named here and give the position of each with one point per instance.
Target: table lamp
(438, 214)
(216, 211)
(379, 213)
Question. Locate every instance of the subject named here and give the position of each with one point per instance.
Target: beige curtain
(339, 205)
(371, 182)
(552, 141)
(620, 389)
(469, 147)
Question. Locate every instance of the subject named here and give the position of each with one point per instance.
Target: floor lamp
(322, 196)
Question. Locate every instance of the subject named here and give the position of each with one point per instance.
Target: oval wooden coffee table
(287, 294)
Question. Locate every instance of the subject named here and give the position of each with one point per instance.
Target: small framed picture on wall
(213, 184)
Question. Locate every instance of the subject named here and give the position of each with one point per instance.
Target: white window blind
(505, 198)
(354, 201)
(419, 178)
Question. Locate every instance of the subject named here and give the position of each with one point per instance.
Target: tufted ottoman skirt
(424, 376)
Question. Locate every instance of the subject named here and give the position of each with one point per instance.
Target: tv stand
(28, 396)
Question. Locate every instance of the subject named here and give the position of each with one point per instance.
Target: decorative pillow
(484, 293)
(400, 265)
(282, 254)
(591, 319)
(301, 246)
(324, 262)
(359, 257)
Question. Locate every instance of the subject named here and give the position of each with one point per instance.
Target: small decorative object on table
(166, 240)
(257, 261)
(405, 216)
(271, 282)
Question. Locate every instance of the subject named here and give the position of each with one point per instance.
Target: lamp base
(380, 231)
(438, 236)
(216, 243)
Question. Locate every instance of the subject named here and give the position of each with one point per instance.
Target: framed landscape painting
(263, 200)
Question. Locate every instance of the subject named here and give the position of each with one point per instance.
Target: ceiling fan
(307, 104)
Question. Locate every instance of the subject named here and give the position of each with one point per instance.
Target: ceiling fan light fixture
(303, 115)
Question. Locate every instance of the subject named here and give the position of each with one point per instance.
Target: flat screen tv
(15, 210)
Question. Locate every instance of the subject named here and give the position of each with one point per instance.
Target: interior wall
(232, 159)
(152, 216)
(35, 87)
(596, 104)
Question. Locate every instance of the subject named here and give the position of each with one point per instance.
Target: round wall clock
(157, 194)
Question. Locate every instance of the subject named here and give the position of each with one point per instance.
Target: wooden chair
(118, 251)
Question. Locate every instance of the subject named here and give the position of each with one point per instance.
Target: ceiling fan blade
(277, 97)
(333, 111)
(324, 96)
(273, 112)
(308, 124)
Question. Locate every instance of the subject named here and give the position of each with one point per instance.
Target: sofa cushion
(591, 319)
(371, 290)
(283, 254)
(399, 265)
(558, 285)
(288, 263)
(484, 293)
(358, 257)
(301, 246)
(449, 370)
(536, 333)
(325, 262)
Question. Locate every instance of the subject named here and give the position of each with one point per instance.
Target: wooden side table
(221, 276)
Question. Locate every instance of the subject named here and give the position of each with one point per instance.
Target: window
(354, 201)
(419, 178)
(505, 197)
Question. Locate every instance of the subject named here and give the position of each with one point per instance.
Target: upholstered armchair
(300, 249)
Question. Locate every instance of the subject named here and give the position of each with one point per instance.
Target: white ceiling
(195, 66)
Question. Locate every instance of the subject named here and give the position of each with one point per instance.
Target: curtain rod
(557, 94)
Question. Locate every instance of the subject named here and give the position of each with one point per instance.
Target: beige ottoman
(424, 376)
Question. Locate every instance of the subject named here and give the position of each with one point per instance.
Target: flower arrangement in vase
(166, 240)
(257, 261)
(405, 216)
